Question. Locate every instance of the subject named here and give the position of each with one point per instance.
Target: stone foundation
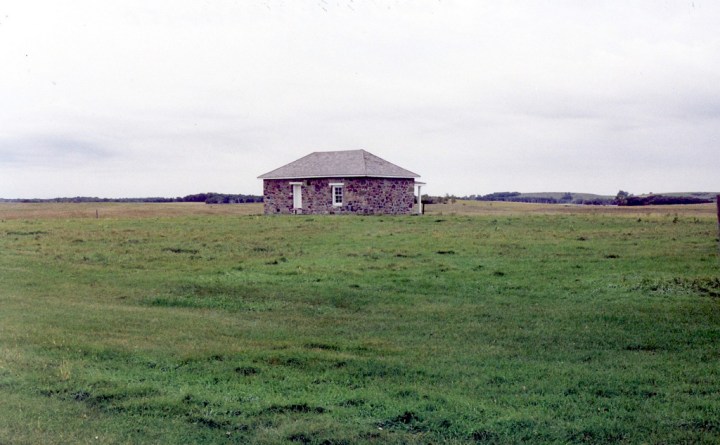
(363, 196)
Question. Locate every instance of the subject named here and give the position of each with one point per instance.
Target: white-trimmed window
(337, 194)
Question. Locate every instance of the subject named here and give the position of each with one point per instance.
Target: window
(337, 194)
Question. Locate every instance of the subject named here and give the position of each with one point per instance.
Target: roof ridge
(365, 161)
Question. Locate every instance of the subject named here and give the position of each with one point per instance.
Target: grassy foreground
(507, 326)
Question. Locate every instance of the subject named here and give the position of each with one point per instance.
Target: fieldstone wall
(360, 196)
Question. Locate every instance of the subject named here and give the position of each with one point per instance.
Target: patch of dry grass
(121, 210)
(467, 208)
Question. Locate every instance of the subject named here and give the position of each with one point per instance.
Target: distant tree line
(622, 198)
(220, 198)
(207, 198)
(564, 198)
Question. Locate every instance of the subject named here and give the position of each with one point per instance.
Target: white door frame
(297, 196)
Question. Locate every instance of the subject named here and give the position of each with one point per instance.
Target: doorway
(297, 198)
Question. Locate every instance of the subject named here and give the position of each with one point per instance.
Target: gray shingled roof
(328, 164)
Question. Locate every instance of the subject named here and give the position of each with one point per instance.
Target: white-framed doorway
(297, 196)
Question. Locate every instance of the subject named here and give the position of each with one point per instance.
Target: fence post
(717, 201)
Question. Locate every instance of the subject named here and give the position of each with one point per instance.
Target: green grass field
(476, 323)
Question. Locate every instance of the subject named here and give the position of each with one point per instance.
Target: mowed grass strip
(490, 328)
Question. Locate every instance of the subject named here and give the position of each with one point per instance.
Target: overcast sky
(167, 98)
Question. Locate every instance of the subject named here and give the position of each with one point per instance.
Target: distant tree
(427, 199)
(622, 197)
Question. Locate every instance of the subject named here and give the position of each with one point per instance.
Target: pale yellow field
(460, 207)
(121, 210)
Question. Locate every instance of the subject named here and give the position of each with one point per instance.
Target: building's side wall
(360, 195)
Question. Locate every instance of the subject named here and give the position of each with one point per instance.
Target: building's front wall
(360, 196)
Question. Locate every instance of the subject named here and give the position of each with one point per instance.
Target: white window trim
(334, 186)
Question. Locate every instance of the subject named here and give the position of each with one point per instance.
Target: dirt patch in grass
(707, 286)
(294, 408)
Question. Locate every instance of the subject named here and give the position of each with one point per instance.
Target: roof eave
(339, 176)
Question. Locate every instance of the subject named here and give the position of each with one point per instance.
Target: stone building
(339, 182)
